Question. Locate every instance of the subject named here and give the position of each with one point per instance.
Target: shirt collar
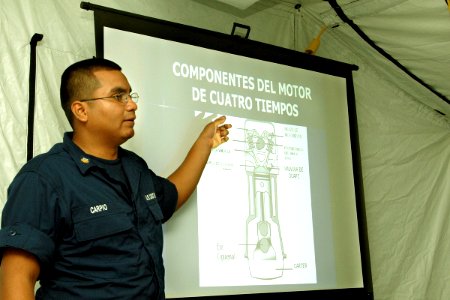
(83, 160)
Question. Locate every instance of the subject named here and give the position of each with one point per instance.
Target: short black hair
(78, 81)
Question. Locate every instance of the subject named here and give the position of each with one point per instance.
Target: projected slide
(257, 230)
(275, 208)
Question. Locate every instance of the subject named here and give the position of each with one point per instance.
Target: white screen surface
(275, 208)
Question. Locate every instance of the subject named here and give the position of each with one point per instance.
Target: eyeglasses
(122, 98)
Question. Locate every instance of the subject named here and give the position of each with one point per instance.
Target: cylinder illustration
(264, 247)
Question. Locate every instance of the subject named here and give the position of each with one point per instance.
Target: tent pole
(32, 93)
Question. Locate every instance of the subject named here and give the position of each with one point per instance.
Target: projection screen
(279, 208)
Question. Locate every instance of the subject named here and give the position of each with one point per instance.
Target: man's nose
(131, 105)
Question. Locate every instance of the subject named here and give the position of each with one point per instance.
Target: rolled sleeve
(29, 239)
(28, 218)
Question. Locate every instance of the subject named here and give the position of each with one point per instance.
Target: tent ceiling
(415, 33)
(241, 4)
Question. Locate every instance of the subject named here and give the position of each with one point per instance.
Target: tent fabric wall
(405, 163)
(404, 142)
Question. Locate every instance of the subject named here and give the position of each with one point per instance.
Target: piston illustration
(264, 246)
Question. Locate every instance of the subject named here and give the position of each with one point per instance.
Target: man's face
(109, 119)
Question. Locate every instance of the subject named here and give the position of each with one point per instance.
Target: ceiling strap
(344, 18)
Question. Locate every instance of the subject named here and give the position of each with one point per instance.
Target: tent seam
(339, 11)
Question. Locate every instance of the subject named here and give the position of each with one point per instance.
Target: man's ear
(79, 110)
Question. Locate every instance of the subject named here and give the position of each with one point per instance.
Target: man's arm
(19, 271)
(188, 174)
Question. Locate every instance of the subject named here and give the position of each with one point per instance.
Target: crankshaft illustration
(264, 246)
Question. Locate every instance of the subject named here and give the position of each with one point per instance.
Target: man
(85, 218)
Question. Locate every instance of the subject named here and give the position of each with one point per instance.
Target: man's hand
(217, 132)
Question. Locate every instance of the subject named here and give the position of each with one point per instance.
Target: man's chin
(127, 136)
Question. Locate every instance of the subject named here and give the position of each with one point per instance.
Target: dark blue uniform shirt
(94, 238)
